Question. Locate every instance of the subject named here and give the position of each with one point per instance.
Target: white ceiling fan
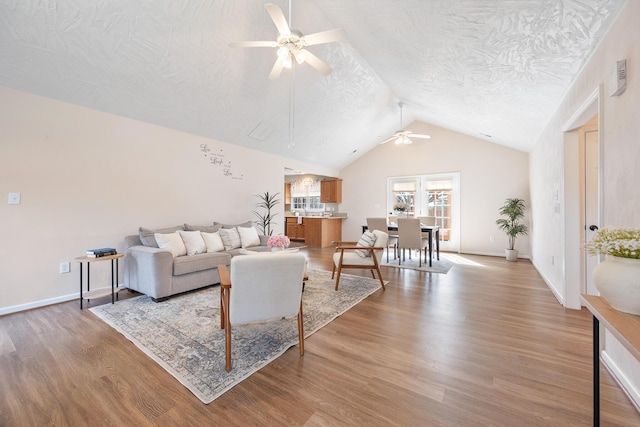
(404, 136)
(291, 43)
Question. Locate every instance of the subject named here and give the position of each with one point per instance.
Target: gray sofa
(159, 273)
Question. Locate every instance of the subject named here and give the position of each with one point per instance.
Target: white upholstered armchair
(366, 253)
(261, 287)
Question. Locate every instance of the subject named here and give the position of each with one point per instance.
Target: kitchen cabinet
(287, 193)
(294, 230)
(331, 191)
(322, 232)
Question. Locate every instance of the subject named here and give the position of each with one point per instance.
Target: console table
(88, 294)
(625, 327)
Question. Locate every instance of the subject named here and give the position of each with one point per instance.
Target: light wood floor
(485, 345)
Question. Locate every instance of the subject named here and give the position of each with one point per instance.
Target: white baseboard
(38, 304)
(624, 383)
(43, 303)
(548, 282)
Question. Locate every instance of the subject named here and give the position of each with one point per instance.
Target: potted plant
(617, 278)
(512, 212)
(401, 208)
(265, 218)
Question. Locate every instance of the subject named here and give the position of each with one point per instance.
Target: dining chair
(381, 224)
(410, 237)
(428, 220)
(258, 287)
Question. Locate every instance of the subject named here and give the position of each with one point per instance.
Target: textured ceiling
(494, 68)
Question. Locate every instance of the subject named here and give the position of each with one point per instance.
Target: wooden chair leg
(301, 330)
(227, 346)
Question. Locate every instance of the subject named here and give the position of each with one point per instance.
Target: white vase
(511, 254)
(618, 281)
(401, 214)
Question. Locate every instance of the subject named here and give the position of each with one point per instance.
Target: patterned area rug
(441, 266)
(183, 334)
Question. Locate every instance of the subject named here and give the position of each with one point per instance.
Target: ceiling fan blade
(389, 139)
(278, 19)
(415, 135)
(329, 36)
(277, 69)
(316, 62)
(254, 44)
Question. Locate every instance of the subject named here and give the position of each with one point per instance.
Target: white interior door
(591, 202)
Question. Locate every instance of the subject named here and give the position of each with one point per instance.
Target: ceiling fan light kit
(291, 44)
(403, 137)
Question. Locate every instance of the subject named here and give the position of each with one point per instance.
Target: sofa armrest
(148, 270)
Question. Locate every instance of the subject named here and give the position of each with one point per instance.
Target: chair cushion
(351, 258)
(367, 240)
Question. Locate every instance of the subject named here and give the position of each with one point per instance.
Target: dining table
(430, 229)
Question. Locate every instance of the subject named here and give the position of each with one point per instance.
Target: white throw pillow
(193, 242)
(367, 240)
(230, 238)
(213, 241)
(248, 237)
(173, 242)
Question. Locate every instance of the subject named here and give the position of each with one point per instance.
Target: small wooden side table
(88, 294)
(625, 327)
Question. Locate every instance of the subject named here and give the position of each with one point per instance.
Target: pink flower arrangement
(278, 241)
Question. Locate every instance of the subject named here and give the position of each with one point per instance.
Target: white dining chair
(381, 224)
(410, 237)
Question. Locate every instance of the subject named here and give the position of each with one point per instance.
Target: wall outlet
(553, 260)
(64, 267)
(492, 238)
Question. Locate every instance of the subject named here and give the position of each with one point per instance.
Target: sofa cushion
(199, 262)
(230, 238)
(173, 242)
(244, 224)
(213, 241)
(193, 242)
(248, 236)
(147, 235)
(202, 228)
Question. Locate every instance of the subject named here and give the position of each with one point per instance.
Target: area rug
(441, 266)
(183, 334)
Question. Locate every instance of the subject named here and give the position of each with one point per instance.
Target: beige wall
(489, 173)
(88, 178)
(620, 148)
(550, 169)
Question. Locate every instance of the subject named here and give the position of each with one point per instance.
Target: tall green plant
(267, 203)
(513, 213)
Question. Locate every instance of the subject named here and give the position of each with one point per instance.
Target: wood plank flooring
(485, 345)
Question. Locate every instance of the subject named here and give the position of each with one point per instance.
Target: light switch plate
(14, 198)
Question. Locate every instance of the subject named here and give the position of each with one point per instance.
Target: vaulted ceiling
(495, 70)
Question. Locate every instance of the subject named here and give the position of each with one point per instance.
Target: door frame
(573, 235)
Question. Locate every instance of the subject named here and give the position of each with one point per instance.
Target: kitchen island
(315, 231)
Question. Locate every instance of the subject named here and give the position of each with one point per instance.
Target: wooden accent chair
(381, 224)
(410, 237)
(258, 288)
(359, 255)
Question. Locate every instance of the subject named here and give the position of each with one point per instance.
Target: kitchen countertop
(316, 217)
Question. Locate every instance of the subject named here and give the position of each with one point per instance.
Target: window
(436, 195)
(309, 204)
